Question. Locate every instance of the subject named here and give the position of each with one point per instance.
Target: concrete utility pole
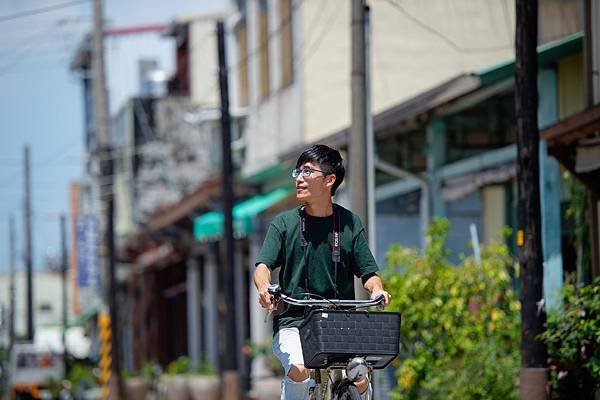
(106, 196)
(63, 270)
(533, 375)
(28, 245)
(74, 196)
(11, 312)
(361, 142)
(361, 148)
(231, 375)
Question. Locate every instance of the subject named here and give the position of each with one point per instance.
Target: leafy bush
(179, 366)
(150, 370)
(82, 376)
(205, 367)
(182, 365)
(81, 372)
(573, 337)
(460, 330)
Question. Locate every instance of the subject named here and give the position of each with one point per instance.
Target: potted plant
(203, 382)
(173, 384)
(138, 386)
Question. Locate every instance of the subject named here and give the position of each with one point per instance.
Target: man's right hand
(262, 280)
(265, 299)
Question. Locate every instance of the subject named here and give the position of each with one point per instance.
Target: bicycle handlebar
(275, 291)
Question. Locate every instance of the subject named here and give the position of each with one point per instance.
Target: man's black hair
(329, 159)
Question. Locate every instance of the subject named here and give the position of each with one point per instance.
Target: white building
(47, 301)
(293, 61)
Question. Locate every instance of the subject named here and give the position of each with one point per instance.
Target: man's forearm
(262, 277)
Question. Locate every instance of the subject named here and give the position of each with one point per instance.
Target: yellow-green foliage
(460, 323)
(573, 338)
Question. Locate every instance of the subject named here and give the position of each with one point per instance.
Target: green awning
(548, 53)
(84, 316)
(209, 227)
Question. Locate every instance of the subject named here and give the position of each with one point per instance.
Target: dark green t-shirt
(282, 248)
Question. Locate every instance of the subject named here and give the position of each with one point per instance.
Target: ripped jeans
(288, 349)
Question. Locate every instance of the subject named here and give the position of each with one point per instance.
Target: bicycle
(342, 344)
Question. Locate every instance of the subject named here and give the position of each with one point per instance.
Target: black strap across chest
(336, 245)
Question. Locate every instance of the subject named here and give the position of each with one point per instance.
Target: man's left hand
(385, 294)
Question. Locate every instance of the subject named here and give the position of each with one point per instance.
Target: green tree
(460, 323)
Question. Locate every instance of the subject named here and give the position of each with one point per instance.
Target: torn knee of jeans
(298, 373)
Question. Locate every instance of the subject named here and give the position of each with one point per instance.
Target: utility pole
(592, 96)
(63, 270)
(106, 197)
(231, 375)
(533, 377)
(361, 147)
(28, 245)
(11, 312)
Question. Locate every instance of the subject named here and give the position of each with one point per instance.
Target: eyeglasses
(306, 172)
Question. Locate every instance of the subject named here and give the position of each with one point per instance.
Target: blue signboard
(88, 247)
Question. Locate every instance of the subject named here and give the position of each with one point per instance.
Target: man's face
(316, 186)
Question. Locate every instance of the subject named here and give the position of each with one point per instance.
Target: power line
(441, 36)
(30, 44)
(507, 21)
(316, 21)
(42, 10)
(314, 46)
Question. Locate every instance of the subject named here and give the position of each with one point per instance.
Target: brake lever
(267, 314)
(273, 309)
(381, 301)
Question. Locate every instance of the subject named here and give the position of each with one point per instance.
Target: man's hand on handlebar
(375, 287)
(262, 280)
(265, 299)
(386, 296)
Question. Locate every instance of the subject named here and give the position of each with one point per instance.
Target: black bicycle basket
(336, 336)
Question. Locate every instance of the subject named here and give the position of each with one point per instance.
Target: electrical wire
(23, 52)
(33, 42)
(509, 25)
(41, 10)
(443, 37)
(319, 40)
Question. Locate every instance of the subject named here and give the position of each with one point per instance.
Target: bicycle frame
(334, 374)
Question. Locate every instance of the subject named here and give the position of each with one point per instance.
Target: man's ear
(330, 180)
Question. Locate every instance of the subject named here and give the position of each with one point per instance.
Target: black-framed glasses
(306, 172)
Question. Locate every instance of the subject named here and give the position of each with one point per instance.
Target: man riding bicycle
(320, 247)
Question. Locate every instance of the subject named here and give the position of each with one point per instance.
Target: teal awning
(82, 318)
(548, 53)
(209, 226)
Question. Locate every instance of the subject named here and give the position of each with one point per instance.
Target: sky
(41, 100)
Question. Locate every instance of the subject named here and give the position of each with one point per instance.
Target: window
(287, 53)
(263, 48)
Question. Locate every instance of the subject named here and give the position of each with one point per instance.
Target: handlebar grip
(380, 299)
(274, 289)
